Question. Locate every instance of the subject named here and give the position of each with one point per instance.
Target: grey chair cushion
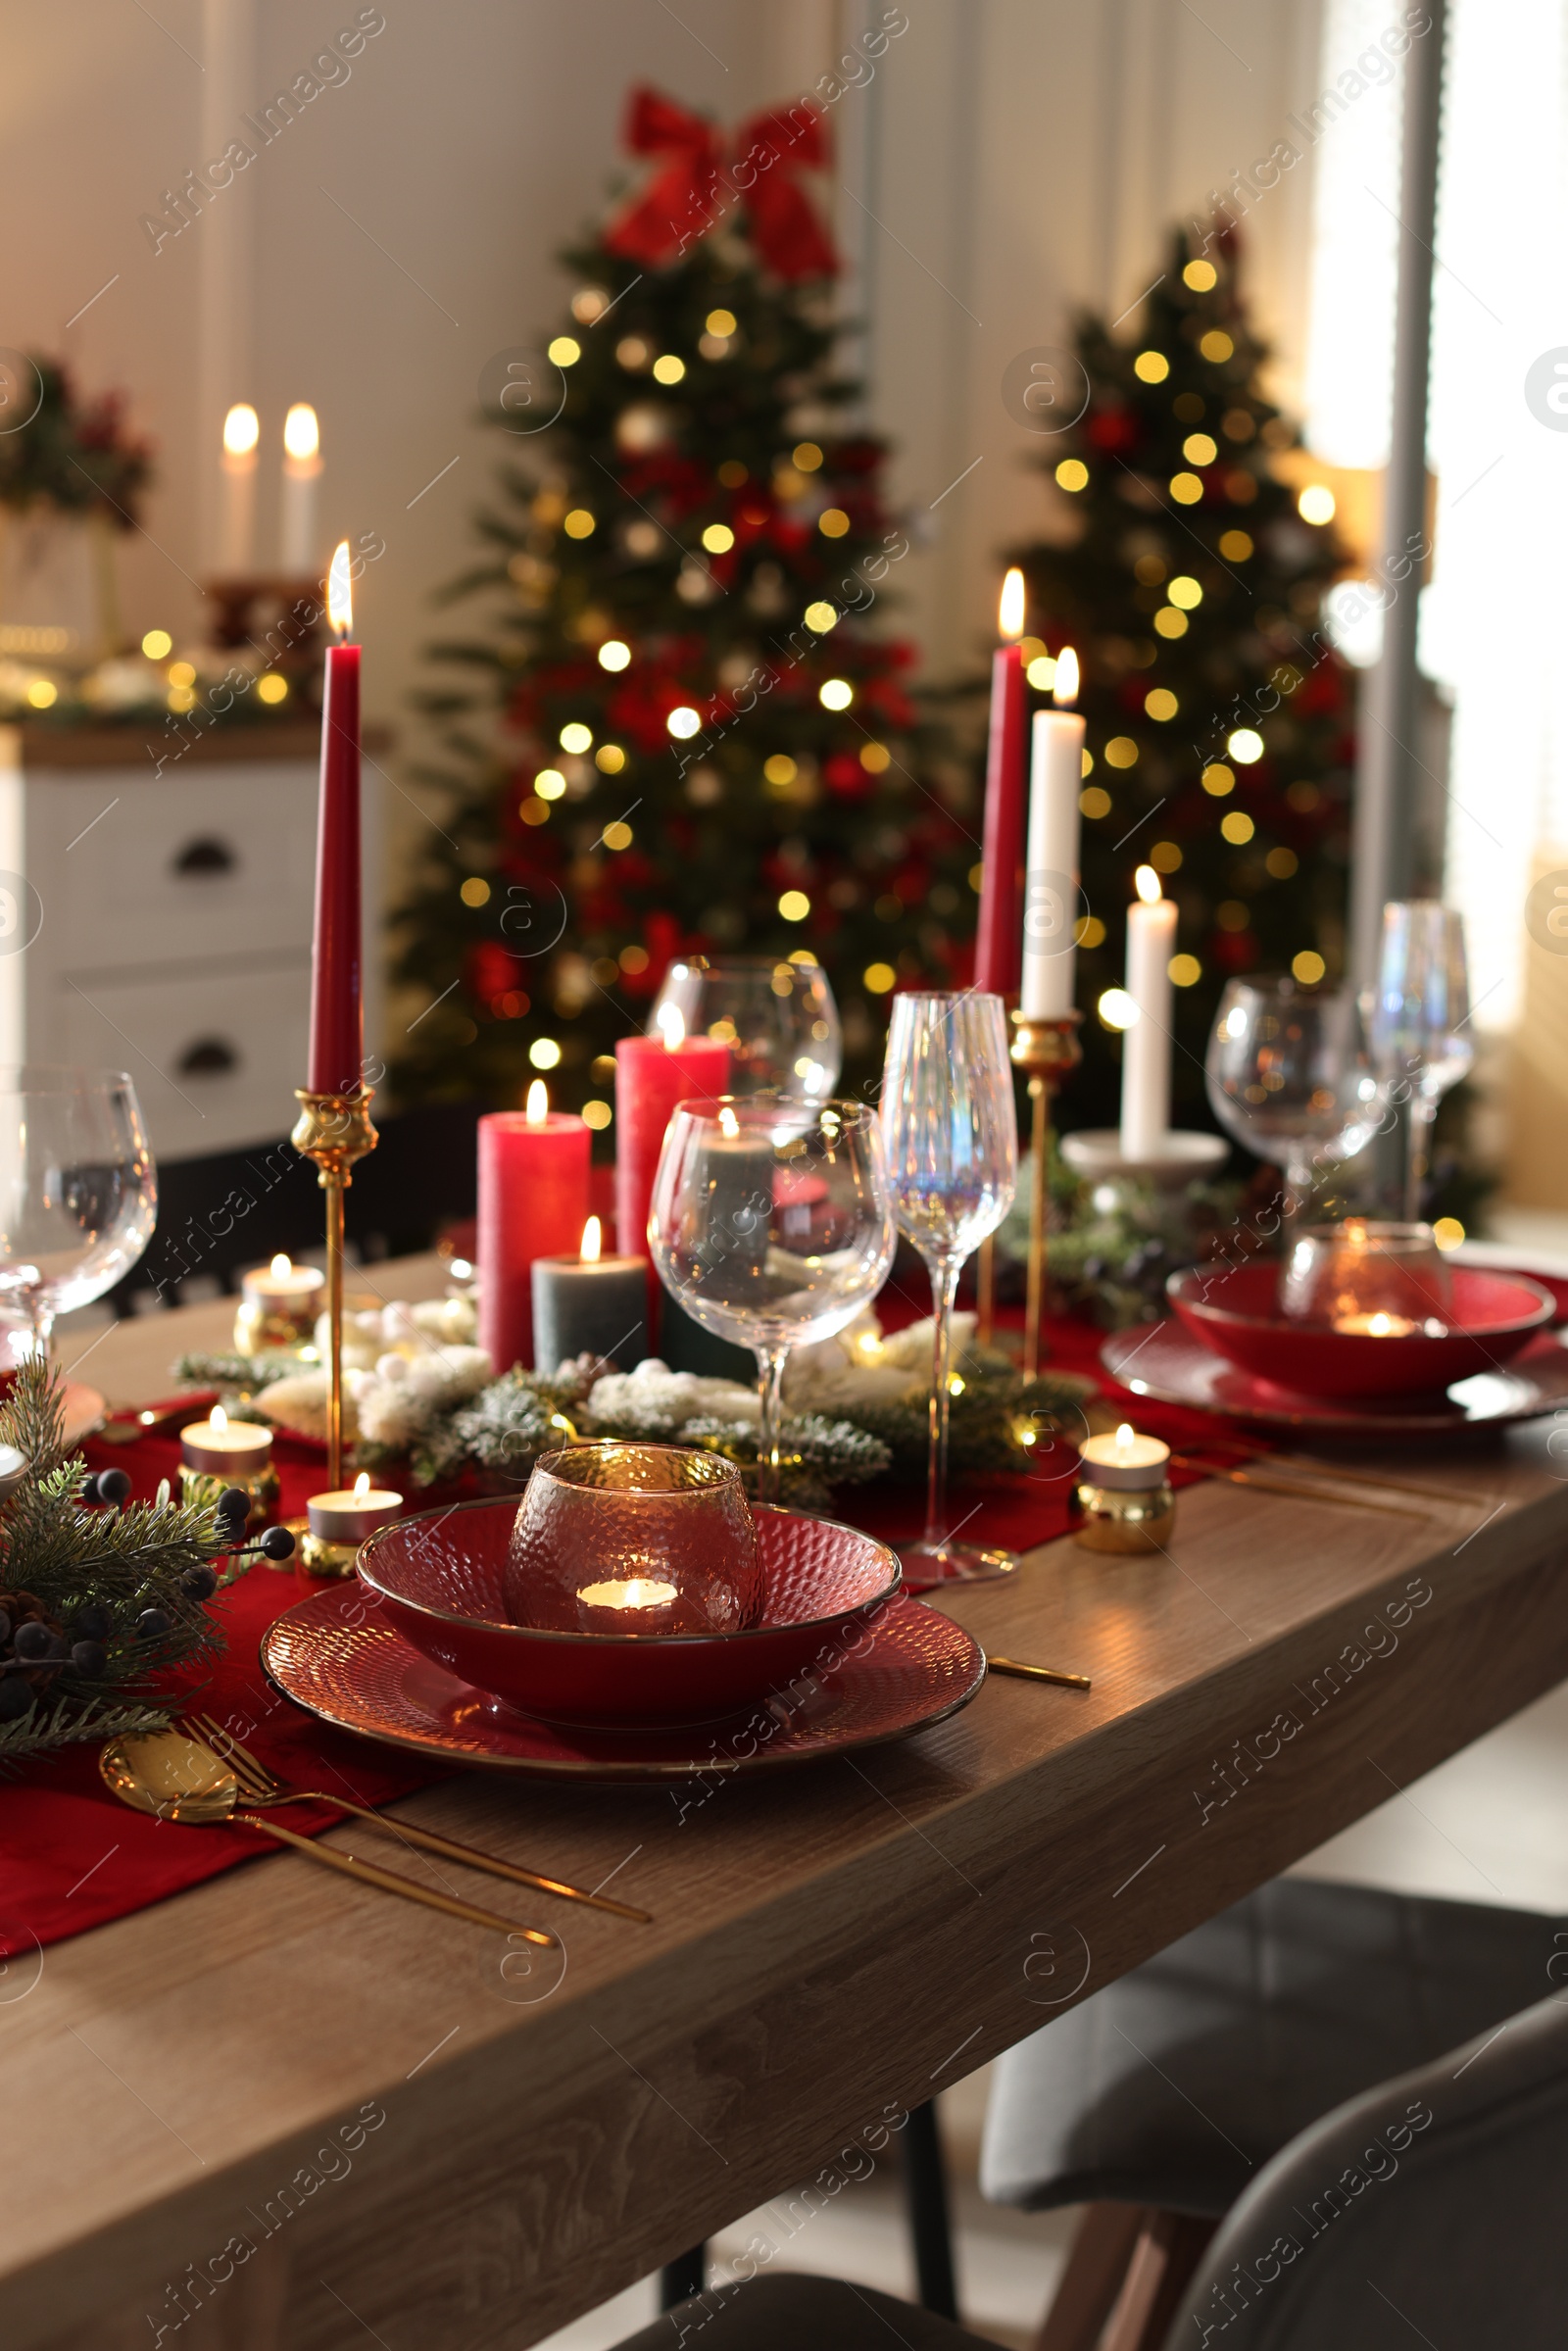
(800, 2314)
(1176, 2085)
(1428, 2210)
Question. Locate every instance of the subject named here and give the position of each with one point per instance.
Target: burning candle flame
(362, 1484)
(242, 429)
(218, 1418)
(282, 1268)
(1148, 882)
(592, 1242)
(340, 599)
(672, 1021)
(1064, 684)
(729, 1124)
(301, 436)
(537, 1108)
(1009, 611)
(1126, 1438)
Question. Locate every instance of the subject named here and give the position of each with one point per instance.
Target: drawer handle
(205, 856)
(208, 1057)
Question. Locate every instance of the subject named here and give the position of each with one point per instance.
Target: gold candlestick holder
(1048, 1050)
(335, 1131)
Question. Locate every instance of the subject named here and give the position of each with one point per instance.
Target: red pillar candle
(337, 1018)
(651, 1075)
(533, 1203)
(998, 935)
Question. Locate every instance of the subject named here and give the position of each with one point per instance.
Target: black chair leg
(925, 2186)
(683, 2276)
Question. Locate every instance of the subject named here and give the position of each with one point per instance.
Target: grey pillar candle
(589, 1305)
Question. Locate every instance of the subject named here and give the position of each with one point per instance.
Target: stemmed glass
(1289, 1078)
(78, 1195)
(1418, 1023)
(777, 1017)
(771, 1223)
(953, 1164)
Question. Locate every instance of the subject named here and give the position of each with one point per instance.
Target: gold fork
(261, 1787)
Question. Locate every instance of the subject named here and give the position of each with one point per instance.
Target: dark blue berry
(277, 1543)
(233, 1502)
(198, 1583)
(15, 1697)
(113, 1485)
(92, 1622)
(151, 1624)
(89, 1660)
(33, 1642)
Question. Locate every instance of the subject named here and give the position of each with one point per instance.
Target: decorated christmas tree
(1188, 574)
(679, 726)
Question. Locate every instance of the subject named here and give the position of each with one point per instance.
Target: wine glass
(770, 1222)
(1288, 1077)
(78, 1194)
(1418, 1023)
(953, 1165)
(777, 1017)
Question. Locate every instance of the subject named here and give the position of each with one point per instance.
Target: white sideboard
(161, 922)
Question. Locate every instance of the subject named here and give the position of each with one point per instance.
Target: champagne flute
(1419, 1021)
(770, 1222)
(953, 1165)
(1288, 1076)
(78, 1195)
(778, 1018)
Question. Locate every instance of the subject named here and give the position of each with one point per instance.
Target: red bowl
(441, 1577)
(1237, 1313)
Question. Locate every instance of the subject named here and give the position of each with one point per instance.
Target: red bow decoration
(696, 185)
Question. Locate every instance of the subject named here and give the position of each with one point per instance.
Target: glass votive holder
(339, 1522)
(218, 1453)
(1125, 1492)
(622, 1540)
(1379, 1280)
(278, 1306)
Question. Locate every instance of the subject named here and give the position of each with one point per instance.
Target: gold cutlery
(259, 1785)
(179, 1778)
(1351, 1477)
(1307, 1493)
(1037, 1673)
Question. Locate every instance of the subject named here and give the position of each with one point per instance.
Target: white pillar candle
(1051, 877)
(1147, 1045)
(241, 434)
(301, 470)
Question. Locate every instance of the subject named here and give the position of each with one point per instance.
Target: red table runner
(75, 1857)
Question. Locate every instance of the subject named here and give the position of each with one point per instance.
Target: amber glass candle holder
(634, 1539)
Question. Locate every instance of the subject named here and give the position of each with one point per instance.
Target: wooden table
(424, 2145)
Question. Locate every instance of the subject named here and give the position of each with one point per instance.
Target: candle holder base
(200, 1489)
(928, 1566)
(335, 1131)
(1177, 1159)
(323, 1559)
(1143, 1520)
(1048, 1050)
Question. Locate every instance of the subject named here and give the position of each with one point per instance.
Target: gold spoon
(176, 1779)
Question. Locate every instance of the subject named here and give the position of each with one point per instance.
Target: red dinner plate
(1237, 1313)
(1164, 1361)
(338, 1655)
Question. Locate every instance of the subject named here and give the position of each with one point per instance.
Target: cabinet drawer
(208, 863)
(215, 1053)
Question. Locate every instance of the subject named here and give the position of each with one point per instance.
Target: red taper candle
(337, 1014)
(651, 1075)
(999, 934)
(533, 1203)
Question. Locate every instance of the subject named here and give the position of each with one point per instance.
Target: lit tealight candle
(351, 1516)
(1127, 1462)
(1379, 1326)
(626, 1605)
(224, 1447)
(284, 1287)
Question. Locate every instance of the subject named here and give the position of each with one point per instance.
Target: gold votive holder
(200, 1489)
(218, 1453)
(279, 1307)
(336, 1524)
(1115, 1521)
(1125, 1492)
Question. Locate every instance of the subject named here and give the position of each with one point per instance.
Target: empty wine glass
(953, 1166)
(78, 1195)
(1419, 1033)
(770, 1222)
(1288, 1077)
(777, 1017)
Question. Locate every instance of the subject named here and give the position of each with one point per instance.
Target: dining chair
(788, 2310)
(1159, 2101)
